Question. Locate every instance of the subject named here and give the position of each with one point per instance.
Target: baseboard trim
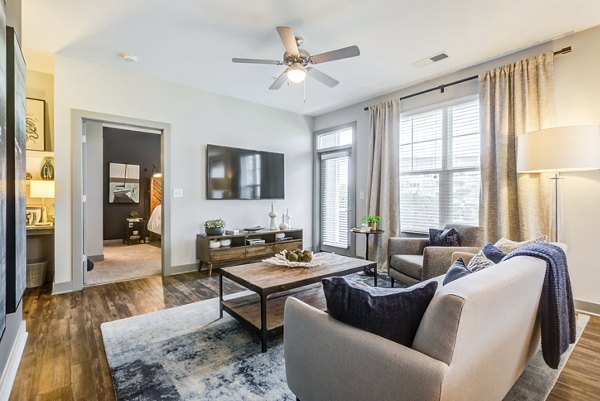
(191, 267)
(12, 365)
(96, 258)
(588, 307)
(62, 288)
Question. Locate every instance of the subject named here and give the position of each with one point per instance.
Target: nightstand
(134, 230)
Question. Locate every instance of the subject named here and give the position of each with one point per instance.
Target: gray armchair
(412, 260)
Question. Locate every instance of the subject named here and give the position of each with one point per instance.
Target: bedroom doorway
(122, 183)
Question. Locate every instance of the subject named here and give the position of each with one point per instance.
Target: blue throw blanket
(556, 303)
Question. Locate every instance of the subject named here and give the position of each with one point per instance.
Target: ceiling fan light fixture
(296, 73)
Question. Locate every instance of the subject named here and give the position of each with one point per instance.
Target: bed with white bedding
(155, 219)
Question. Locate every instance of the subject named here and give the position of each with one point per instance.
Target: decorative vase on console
(47, 172)
(283, 226)
(273, 216)
(288, 218)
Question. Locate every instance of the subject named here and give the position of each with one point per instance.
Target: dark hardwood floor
(64, 358)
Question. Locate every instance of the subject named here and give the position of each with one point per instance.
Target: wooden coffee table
(262, 312)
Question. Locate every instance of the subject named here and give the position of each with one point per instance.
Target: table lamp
(42, 189)
(556, 150)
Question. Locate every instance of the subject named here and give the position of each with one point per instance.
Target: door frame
(317, 185)
(78, 118)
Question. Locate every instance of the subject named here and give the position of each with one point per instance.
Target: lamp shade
(575, 148)
(41, 189)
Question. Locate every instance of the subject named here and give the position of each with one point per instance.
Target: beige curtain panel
(514, 99)
(384, 165)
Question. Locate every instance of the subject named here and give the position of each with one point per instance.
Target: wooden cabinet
(240, 250)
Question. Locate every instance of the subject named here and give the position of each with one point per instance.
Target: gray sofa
(412, 260)
(472, 344)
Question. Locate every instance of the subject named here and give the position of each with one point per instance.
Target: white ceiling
(192, 41)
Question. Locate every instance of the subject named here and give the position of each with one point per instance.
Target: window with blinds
(334, 199)
(439, 167)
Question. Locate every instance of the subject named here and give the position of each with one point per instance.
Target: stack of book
(255, 241)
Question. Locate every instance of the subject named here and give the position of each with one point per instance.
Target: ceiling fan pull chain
(304, 82)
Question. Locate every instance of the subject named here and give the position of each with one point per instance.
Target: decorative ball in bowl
(298, 258)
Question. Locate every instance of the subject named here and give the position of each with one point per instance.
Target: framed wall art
(35, 124)
(124, 183)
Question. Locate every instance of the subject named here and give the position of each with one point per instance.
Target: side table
(134, 230)
(367, 233)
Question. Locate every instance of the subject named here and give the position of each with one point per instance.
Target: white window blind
(334, 199)
(439, 167)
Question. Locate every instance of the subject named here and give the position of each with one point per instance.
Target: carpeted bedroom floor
(126, 262)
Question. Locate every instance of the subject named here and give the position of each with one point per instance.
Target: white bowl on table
(214, 244)
(225, 242)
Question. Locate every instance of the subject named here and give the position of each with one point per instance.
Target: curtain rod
(442, 87)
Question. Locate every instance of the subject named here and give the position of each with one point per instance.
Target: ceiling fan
(298, 61)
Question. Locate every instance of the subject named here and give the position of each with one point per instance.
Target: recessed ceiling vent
(430, 60)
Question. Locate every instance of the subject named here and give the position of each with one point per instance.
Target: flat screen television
(233, 173)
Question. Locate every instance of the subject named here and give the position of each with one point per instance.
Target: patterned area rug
(187, 353)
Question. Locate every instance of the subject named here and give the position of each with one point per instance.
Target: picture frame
(123, 183)
(35, 124)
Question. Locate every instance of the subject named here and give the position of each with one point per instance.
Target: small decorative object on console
(252, 229)
(214, 227)
(225, 242)
(273, 216)
(214, 244)
(283, 225)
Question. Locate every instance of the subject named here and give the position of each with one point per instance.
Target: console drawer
(287, 246)
(255, 251)
(227, 254)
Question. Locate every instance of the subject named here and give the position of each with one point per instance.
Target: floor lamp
(556, 150)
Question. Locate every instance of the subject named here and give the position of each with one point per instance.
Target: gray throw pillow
(391, 313)
(456, 271)
(445, 237)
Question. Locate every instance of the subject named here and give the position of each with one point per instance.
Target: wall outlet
(177, 192)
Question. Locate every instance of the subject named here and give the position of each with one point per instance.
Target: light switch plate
(177, 192)
(361, 195)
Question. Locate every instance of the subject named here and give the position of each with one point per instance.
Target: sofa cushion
(456, 271)
(445, 237)
(479, 262)
(394, 314)
(508, 246)
(492, 253)
(411, 265)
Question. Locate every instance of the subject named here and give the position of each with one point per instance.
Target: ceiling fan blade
(289, 40)
(279, 81)
(255, 61)
(346, 52)
(322, 77)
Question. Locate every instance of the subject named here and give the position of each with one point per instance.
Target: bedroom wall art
(36, 119)
(124, 183)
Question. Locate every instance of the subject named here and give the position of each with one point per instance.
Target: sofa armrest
(465, 256)
(438, 259)
(406, 246)
(327, 360)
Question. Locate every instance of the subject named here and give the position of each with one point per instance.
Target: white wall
(577, 102)
(196, 118)
(94, 189)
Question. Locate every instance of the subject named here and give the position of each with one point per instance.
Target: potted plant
(372, 221)
(214, 227)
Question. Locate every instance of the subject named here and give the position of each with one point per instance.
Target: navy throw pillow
(445, 237)
(456, 271)
(492, 253)
(391, 313)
